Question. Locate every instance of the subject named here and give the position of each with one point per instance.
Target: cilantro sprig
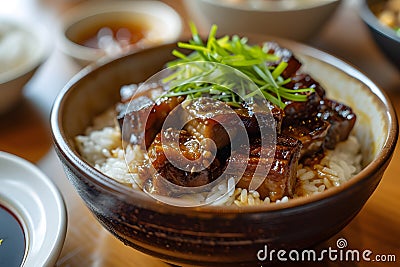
(234, 52)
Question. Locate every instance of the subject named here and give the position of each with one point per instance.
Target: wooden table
(25, 132)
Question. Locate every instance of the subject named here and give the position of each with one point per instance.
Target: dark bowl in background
(385, 37)
(219, 236)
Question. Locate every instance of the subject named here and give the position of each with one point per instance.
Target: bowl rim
(372, 21)
(95, 176)
(92, 8)
(43, 50)
(226, 4)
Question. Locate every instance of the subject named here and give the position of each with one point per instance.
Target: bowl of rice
(235, 228)
(24, 47)
(298, 20)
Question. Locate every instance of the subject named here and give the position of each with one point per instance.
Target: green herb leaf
(236, 53)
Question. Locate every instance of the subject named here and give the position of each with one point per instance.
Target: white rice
(16, 46)
(101, 146)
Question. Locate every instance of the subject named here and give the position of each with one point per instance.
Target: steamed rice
(101, 146)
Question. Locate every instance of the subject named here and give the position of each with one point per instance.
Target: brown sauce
(123, 33)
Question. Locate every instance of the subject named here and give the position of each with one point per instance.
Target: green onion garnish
(236, 53)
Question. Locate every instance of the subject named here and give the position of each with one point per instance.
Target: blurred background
(341, 33)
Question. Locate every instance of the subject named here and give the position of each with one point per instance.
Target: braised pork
(215, 120)
(304, 130)
(281, 178)
(311, 132)
(341, 119)
(203, 167)
(144, 117)
(252, 114)
(285, 55)
(206, 118)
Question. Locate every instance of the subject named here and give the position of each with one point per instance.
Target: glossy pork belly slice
(319, 123)
(252, 114)
(296, 109)
(311, 132)
(202, 169)
(207, 118)
(341, 119)
(144, 117)
(285, 55)
(281, 179)
(215, 120)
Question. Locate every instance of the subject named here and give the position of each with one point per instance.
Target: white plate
(37, 202)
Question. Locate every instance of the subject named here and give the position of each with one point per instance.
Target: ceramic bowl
(153, 22)
(24, 47)
(37, 204)
(212, 235)
(291, 19)
(386, 38)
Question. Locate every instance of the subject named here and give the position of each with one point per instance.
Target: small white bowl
(38, 205)
(161, 24)
(290, 19)
(24, 46)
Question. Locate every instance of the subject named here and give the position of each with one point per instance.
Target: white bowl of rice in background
(298, 20)
(24, 46)
(230, 233)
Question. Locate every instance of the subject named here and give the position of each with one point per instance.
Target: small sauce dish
(33, 218)
(91, 30)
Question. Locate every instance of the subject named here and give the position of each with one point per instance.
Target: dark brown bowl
(386, 38)
(220, 236)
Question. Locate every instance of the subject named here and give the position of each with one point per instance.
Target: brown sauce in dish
(123, 33)
(12, 239)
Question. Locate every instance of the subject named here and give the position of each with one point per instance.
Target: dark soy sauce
(12, 239)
